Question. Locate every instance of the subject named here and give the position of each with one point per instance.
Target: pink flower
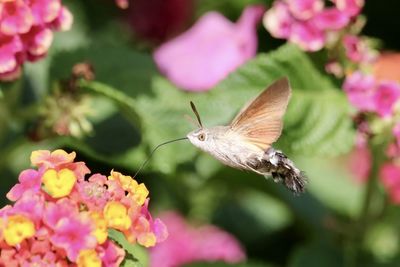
(26, 32)
(331, 19)
(111, 255)
(307, 36)
(205, 54)
(156, 21)
(360, 162)
(360, 90)
(45, 11)
(29, 180)
(187, 244)
(357, 50)
(350, 7)
(278, 20)
(55, 212)
(390, 177)
(10, 47)
(15, 17)
(386, 96)
(396, 133)
(74, 234)
(305, 9)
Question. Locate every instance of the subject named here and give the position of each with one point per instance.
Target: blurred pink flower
(205, 54)
(360, 90)
(331, 19)
(396, 133)
(308, 23)
(278, 20)
(386, 96)
(187, 244)
(307, 36)
(305, 9)
(156, 21)
(390, 177)
(350, 7)
(357, 50)
(26, 32)
(360, 162)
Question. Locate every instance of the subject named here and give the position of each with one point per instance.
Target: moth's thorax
(226, 145)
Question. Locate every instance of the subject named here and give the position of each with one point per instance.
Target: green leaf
(317, 254)
(137, 254)
(317, 121)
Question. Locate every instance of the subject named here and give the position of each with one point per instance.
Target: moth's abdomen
(283, 170)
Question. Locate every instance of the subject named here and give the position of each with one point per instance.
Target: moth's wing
(260, 122)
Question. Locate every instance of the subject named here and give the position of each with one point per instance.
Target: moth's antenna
(154, 150)
(196, 113)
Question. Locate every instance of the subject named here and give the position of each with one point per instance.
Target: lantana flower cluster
(309, 23)
(61, 218)
(26, 31)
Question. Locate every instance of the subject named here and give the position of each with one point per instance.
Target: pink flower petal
(307, 36)
(385, 97)
(349, 7)
(331, 19)
(45, 11)
(204, 55)
(16, 18)
(187, 244)
(64, 20)
(305, 9)
(360, 91)
(278, 20)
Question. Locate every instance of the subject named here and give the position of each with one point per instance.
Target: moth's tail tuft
(284, 171)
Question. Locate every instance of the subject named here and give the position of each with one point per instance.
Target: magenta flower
(331, 19)
(278, 20)
(74, 234)
(350, 7)
(29, 180)
(187, 244)
(10, 48)
(305, 9)
(360, 90)
(307, 36)
(26, 32)
(110, 254)
(390, 177)
(357, 50)
(360, 162)
(55, 212)
(205, 54)
(16, 17)
(308, 23)
(386, 96)
(396, 133)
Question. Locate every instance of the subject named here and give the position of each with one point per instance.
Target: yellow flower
(147, 239)
(88, 258)
(18, 228)
(58, 184)
(101, 227)
(138, 192)
(116, 216)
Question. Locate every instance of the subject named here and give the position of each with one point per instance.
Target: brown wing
(261, 121)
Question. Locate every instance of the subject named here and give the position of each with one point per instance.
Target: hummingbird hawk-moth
(246, 143)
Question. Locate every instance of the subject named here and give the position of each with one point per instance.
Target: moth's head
(199, 137)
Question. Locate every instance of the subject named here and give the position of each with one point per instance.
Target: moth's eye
(201, 137)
